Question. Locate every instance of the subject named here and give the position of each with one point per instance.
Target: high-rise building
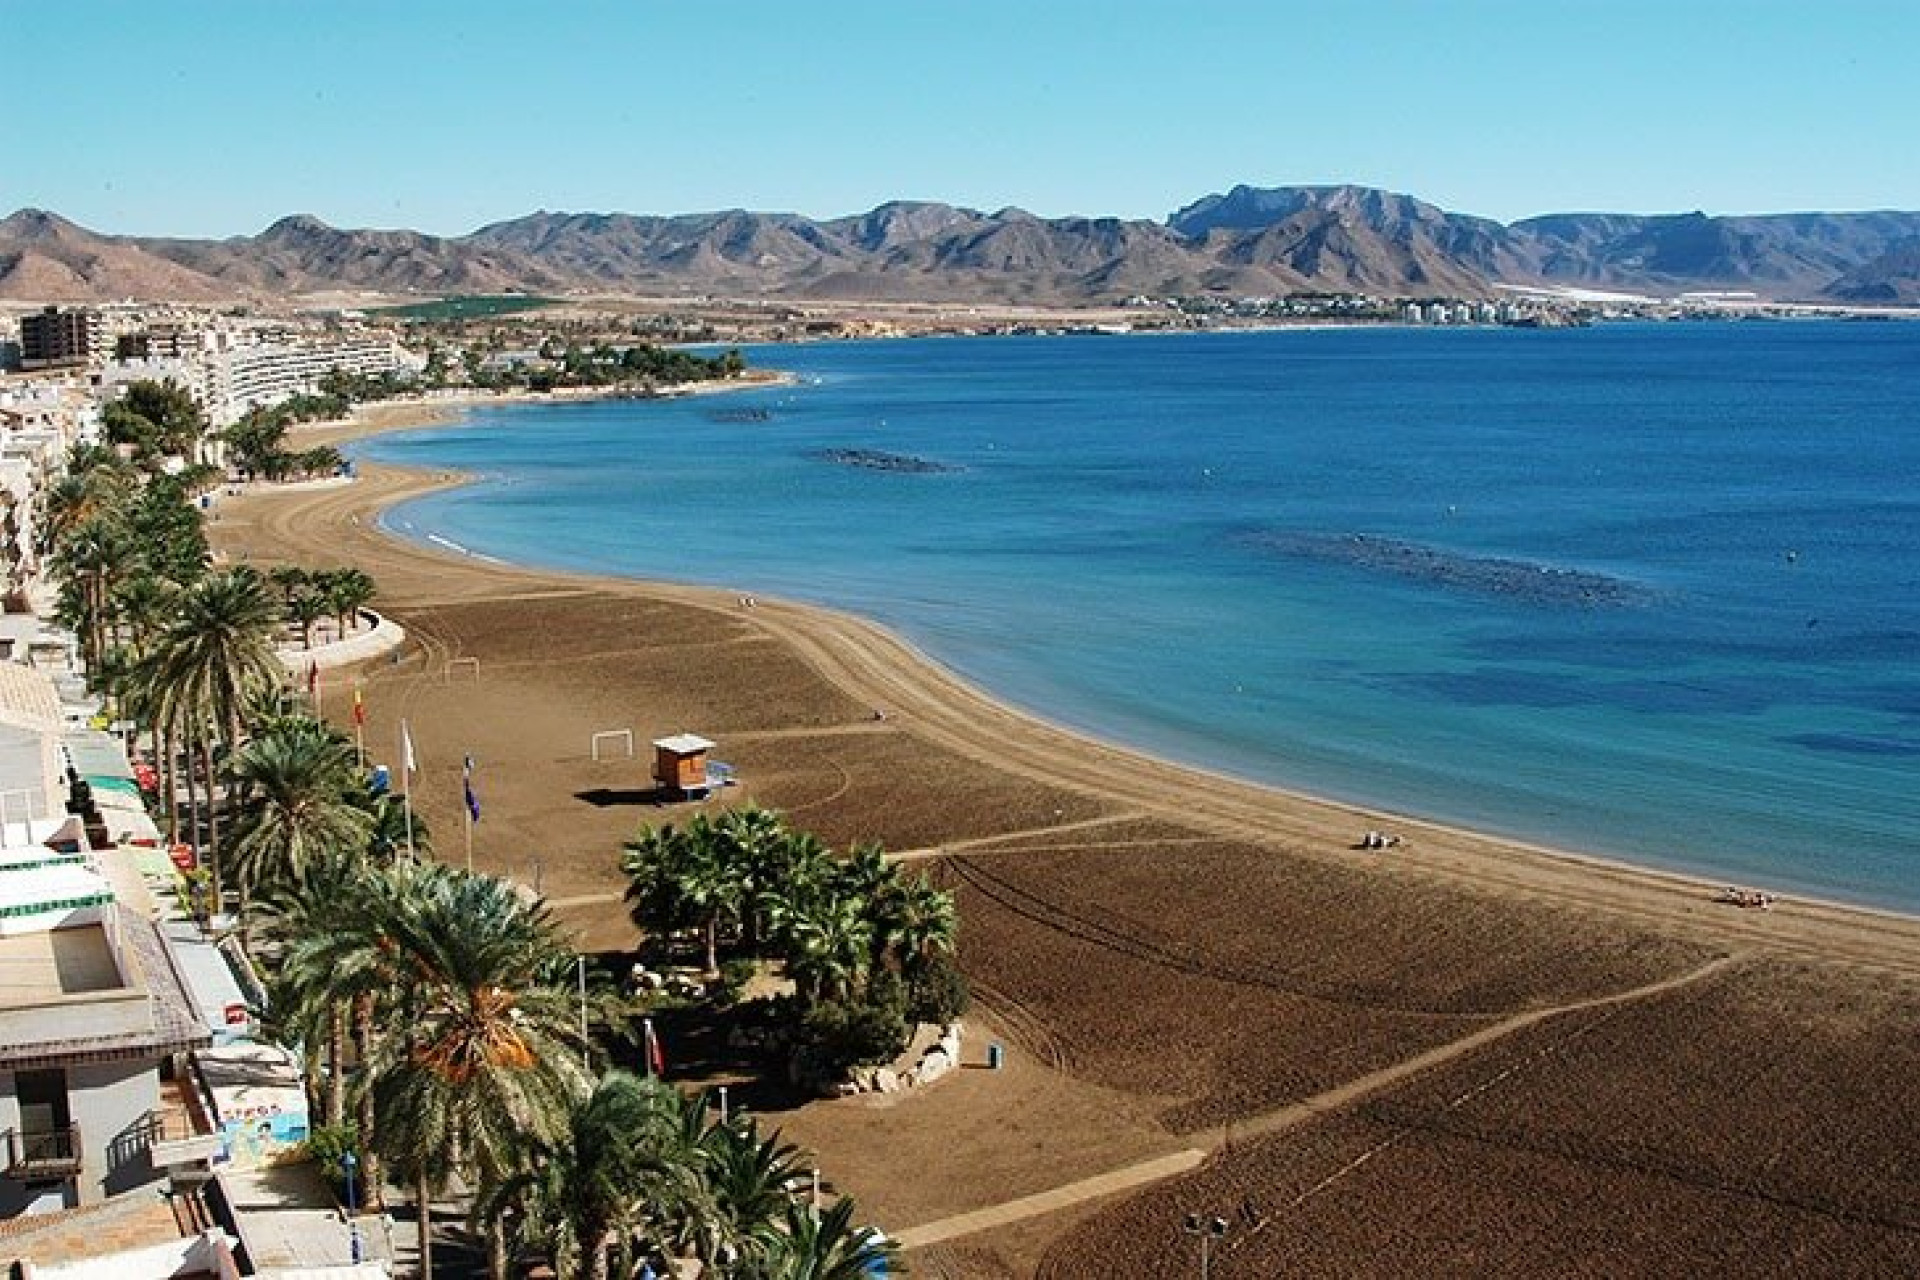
(54, 338)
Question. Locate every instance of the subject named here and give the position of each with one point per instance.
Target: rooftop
(38, 967)
(29, 699)
(94, 993)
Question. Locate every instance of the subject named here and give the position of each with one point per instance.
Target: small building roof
(29, 699)
(683, 744)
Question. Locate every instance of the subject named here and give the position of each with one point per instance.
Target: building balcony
(34, 1156)
(179, 1130)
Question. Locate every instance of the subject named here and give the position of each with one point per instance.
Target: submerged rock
(876, 460)
(1491, 575)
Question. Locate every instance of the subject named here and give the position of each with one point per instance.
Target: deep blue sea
(1648, 591)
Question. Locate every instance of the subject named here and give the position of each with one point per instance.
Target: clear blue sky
(211, 119)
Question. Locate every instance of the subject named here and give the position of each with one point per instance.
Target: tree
(310, 1000)
(914, 924)
(295, 808)
(92, 557)
(750, 1181)
(170, 408)
(680, 879)
(346, 591)
(765, 855)
(814, 1245)
(485, 1054)
(827, 940)
(217, 653)
(620, 1167)
(304, 608)
(256, 439)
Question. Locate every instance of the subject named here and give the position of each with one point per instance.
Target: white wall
(110, 1102)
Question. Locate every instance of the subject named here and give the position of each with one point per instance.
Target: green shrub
(936, 993)
(325, 1144)
(734, 977)
(835, 1038)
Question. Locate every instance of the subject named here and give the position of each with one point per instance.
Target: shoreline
(933, 700)
(1203, 982)
(395, 416)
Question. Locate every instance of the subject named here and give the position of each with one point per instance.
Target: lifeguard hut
(680, 765)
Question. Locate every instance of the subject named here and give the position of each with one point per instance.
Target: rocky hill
(1246, 241)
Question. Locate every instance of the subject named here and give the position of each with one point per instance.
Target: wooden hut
(680, 764)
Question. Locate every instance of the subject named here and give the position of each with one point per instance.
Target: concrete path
(1101, 1184)
(1295, 1114)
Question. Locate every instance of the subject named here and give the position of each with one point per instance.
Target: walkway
(1288, 1117)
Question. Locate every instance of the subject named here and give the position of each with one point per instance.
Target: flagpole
(469, 806)
(406, 782)
(586, 1045)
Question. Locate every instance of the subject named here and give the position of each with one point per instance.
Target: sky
(215, 117)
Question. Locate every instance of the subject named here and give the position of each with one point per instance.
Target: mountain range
(1246, 242)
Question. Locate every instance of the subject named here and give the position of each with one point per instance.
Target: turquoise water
(1647, 591)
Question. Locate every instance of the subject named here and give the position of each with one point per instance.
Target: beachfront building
(231, 369)
(93, 1009)
(260, 375)
(61, 338)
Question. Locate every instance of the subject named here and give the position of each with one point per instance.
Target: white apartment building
(92, 1005)
(244, 377)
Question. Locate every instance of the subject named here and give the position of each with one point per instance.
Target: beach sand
(1212, 999)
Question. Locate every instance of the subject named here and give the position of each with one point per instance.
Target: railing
(179, 1132)
(51, 1153)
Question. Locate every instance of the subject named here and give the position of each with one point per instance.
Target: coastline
(1202, 981)
(876, 667)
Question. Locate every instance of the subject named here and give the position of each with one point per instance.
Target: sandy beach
(1213, 999)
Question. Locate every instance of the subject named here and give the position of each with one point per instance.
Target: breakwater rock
(1524, 580)
(875, 460)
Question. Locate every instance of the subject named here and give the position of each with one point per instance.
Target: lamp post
(348, 1163)
(1207, 1230)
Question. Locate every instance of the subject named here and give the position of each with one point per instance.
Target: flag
(313, 679)
(407, 761)
(359, 708)
(466, 785)
(656, 1060)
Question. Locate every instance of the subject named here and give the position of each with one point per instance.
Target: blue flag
(466, 784)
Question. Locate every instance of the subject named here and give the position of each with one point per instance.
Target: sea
(1647, 591)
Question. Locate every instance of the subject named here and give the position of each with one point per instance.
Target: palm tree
(310, 1002)
(96, 483)
(87, 560)
(756, 842)
(814, 1245)
(750, 1180)
(487, 1055)
(679, 879)
(304, 608)
(215, 655)
(142, 604)
(621, 1167)
(293, 783)
(913, 924)
(347, 591)
(288, 579)
(828, 941)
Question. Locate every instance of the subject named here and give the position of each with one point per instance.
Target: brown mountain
(45, 258)
(1246, 241)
